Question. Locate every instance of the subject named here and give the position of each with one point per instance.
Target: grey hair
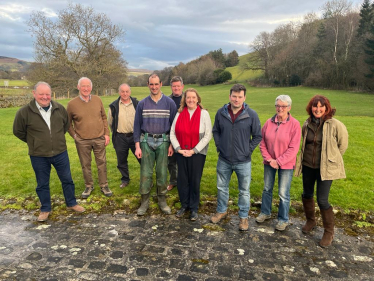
(83, 78)
(124, 84)
(176, 79)
(42, 83)
(284, 98)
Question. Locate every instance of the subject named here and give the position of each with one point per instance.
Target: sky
(165, 32)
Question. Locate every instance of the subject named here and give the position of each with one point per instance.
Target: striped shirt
(154, 117)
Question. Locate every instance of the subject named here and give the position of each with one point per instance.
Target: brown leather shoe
(217, 217)
(243, 225)
(43, 216)
(170, 187)
(77, 208)
(124, 184)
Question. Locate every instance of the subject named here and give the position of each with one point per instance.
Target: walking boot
(163, 205)
(143, 205)
(309, 210)
(328, 224)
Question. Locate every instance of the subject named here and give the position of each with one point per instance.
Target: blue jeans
(42, 169)
(284, 185)
(224, 172)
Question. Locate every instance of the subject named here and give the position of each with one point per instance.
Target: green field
(353, 109)
(17, 83)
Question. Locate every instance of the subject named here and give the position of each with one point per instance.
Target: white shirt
(45, 114)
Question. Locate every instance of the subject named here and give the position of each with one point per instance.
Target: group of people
(172, 134)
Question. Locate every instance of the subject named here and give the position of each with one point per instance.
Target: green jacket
(334, 144)
(30, 127)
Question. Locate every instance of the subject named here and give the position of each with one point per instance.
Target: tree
(232, 59)
(262, 47)
(218, 57)
(79, 42)
(366, 18)
(369, 50)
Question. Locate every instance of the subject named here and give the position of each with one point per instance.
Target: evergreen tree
(366, 18)
(369, 50)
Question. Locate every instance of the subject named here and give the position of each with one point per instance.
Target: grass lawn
(17, 83)
(17, 184)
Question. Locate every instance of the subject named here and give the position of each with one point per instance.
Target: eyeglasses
(281, 106)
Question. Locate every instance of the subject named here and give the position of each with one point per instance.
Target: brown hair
(154, 75)
(238, 88)
(183, 101)
(329, 113)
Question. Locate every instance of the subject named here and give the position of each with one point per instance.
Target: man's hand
(107, 140)
(138, 151)
(170, 150)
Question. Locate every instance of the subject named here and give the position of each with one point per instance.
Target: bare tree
(79, 42)
(262, 53)
(333, 11)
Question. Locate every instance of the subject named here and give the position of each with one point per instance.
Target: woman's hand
(186, 153)
(273, 163)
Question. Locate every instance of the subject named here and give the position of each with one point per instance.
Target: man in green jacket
(42, 124)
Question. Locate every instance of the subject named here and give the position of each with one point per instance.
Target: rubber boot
(328, 224)
(309, 210)
(162, 204)
(143, 205)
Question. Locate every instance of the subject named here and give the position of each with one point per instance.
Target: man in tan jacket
(89, 128)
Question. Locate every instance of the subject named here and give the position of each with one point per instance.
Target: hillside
(13, 64)
(240, 75)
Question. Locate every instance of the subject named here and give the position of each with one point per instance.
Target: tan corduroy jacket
(334, 144)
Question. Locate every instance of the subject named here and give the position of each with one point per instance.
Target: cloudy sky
(165, 32)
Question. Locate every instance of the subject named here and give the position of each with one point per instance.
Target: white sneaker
(281, 225)
(262, 217)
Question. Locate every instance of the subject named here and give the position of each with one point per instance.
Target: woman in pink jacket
(279, 146)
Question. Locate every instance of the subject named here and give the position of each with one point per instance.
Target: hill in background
(240, 73)
(13, 64)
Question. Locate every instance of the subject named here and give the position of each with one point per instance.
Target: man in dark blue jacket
(236, 132)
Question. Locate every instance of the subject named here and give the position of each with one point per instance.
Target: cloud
(165, 32)
(13, 12)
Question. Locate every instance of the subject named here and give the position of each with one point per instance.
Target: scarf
(187, 130)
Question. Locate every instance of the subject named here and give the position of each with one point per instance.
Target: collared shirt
(232, 115)
(45, 114)
(89, 98)
(126, 116)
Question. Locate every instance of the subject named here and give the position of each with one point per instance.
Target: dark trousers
(310, 176)
(42, 169)
(173, 169)
(190, 171)
(123, 144)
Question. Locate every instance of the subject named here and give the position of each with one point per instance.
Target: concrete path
(123, 246)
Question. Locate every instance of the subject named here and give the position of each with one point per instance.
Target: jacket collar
(35, 109)
(244, 113)
(275, 115)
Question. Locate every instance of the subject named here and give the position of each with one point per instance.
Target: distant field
(14, 92)
(353, 109)
(240, 75)
(17, 83)
(139, 72)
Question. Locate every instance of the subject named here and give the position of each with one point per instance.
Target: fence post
(68, 94)
(54, 95)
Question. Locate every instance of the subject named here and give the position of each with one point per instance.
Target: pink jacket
(281, 142)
